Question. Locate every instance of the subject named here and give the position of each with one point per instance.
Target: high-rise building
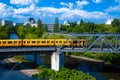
(6, 22)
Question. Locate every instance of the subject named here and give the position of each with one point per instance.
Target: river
(97, 70)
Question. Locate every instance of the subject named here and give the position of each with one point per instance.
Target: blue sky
(98, 11)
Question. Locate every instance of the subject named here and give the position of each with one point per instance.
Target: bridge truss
(108, 43)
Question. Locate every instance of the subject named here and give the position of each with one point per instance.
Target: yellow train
(41, 42)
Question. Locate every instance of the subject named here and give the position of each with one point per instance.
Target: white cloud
(27, 10)
(23, 2)
(97, 1)
(69, 5)
(5, 10)
(113, 8)
(80, 4)
(117, 1)
(66, 13)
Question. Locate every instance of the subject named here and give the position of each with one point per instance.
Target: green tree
(56, 25)
(81, 22)
(63, 74)
(72, 24)
(40, 26)
(21, 32)
(116, 22)
(63, 27)
(4, 32)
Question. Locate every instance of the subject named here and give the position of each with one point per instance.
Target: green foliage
(4, 32)
(53, 36)
(89, 54)
(64, 27)
(28, 32)
(56, 25)
(63, 74)
(21, 32)
(90, 27)
(40, 25)
(116, 22)
(112, 58)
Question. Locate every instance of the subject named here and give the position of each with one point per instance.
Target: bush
(89, 54)
(63, 74)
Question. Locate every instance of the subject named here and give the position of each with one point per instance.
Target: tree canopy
(63, 74)
(56, 25)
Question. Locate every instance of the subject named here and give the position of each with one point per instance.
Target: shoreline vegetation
(87, 59)
(94, 60)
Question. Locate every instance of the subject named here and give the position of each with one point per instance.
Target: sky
(98, 11)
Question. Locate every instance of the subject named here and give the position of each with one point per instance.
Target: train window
(33, 42)
(56, 41)
(70, 41)
(28, 41)
(51, 41)
(60, 41)
(19, 41)
(0, 42)
(15, 42)
(24, 41)
(4, 42)
(38, 41)
(48, 41)
(43, 41)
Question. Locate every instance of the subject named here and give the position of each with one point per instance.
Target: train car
(42, 42)
(70, 42)
(38, 42)
(7, 42)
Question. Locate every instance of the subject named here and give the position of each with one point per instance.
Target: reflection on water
(98, 70)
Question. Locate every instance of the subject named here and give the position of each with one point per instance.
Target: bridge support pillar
(35, 58)
(57, 60)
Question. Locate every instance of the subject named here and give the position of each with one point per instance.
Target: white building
(6, 22)
(31, 24)
(50, 27)
(109, 21)
(66, 23)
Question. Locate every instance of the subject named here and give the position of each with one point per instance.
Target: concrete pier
(57, 60)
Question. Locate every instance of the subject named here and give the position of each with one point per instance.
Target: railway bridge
(106, 43)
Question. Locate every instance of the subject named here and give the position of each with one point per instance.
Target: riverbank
(24, 69)
(93, 60)
(87, 59)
